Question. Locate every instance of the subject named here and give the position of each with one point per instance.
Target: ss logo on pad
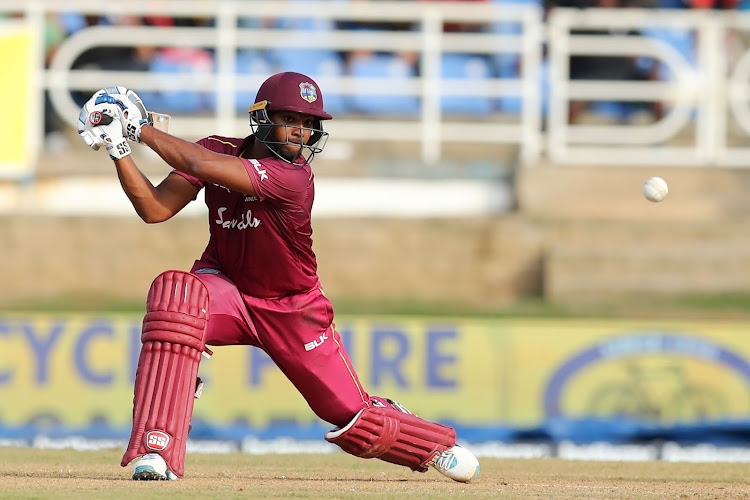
(157, 440)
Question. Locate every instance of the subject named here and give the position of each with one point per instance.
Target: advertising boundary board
(496, 380)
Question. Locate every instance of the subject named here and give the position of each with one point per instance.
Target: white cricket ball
(655, 189)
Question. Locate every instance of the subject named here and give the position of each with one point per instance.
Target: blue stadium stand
(315, 63)
(506, 64)
(681, 40)
(393, 70)
(182, 61)
(72, 22)
(250, 61)
(465, 66)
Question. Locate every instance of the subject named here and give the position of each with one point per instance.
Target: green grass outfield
(720, 305)
(34, 473)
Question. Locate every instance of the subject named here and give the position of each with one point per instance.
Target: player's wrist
(133, 129)
(118, 148)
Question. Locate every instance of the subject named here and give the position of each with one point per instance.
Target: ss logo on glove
(123, 148)
(132, 132)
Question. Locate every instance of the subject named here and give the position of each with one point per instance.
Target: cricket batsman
(255, 284)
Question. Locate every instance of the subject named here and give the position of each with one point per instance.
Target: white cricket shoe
(457, 463)
(152, 467)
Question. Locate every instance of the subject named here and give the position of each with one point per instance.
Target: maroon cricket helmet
(292, 92)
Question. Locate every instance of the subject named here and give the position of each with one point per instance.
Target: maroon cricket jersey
(263, 243)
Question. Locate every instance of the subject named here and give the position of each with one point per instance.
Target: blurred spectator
(109, 57)
(167, 62)
(461, 27)
(374, 25)
(605, 67)
(507, 63)
(183, 61)
(54, 34)
(300, 56)
(715, 4)
(297, 53)
(392, 67)
(473, 68)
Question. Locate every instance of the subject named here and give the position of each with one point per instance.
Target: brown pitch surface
(33, 473)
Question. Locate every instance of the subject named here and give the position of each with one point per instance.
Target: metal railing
(226, 37)
(691, 95)
(705, 98)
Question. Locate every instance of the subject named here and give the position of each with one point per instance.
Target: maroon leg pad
(394, 436)
(173, 339)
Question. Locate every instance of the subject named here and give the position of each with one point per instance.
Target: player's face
(296, 131)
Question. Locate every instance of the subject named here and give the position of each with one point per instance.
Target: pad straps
(394, 436)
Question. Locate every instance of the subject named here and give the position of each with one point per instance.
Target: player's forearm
(141, 192)
(180, 154)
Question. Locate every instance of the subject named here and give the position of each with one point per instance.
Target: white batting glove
(130, 106)
(101, 125)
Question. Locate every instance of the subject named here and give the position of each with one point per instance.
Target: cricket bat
(160, 121)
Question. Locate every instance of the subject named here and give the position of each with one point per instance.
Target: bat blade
(160, 121)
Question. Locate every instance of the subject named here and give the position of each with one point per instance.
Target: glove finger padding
(101, 125)
(85, 128)
(131, 107)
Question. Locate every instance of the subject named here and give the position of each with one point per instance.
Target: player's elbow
(149, 219)
(152, 220)
(154, 216)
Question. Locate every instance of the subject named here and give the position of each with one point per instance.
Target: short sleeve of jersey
(192, 180)
(277, 180)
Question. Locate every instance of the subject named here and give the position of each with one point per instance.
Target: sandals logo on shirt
(308, 92)
(245, 221)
